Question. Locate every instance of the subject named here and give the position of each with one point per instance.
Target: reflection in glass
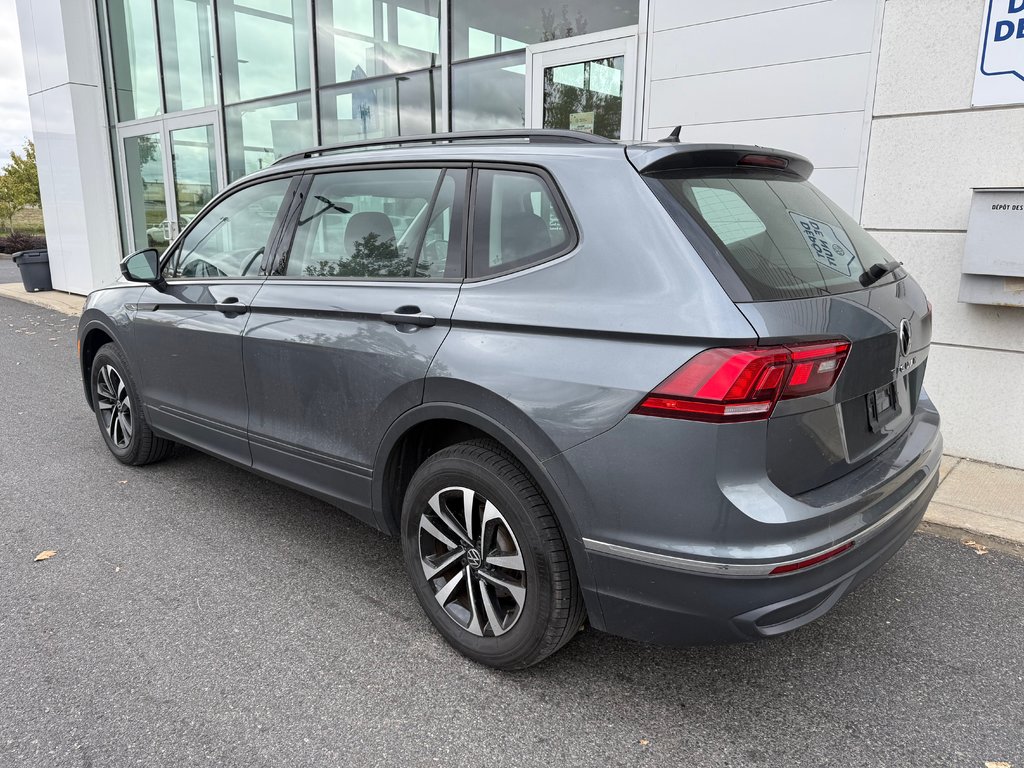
(586, 96)
(364, 224)
(489, 93)
(260, 133)
(230, 239)
(136, 72)
(483, 28)
(194, 160)
(400, 105)
(187, 50)
(265, 47)
(147, 198)
(368, 38)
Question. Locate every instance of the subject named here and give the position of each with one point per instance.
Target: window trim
(273, 240)
(558, 199)
(283, 250)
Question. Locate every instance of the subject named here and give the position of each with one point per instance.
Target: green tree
(19, 184)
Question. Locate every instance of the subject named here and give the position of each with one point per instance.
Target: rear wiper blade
(876, 272)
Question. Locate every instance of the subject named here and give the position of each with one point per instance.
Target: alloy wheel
(472, 561)
(115, 406)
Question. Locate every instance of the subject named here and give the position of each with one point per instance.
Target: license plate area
(882, 406)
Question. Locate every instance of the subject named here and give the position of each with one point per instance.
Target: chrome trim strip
(750, 570)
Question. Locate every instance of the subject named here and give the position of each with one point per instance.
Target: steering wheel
(256, 254)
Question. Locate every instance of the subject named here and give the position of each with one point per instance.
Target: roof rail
(539, 136)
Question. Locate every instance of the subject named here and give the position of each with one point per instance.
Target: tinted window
(782, 236)
(231, 237)
(516, 222)
(394, 222)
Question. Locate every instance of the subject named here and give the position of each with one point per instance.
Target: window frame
(273, 240)
(558, 199)
(276, 270)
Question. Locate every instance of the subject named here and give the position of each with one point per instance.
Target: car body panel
(326, 376)
(188, 357)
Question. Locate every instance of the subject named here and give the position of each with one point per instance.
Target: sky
(14, 122)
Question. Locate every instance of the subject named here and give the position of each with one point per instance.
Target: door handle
(408, 315)
(231, 306)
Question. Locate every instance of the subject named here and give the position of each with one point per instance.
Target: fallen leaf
(645, 742)
(997, 764)
(45, 555)
(981, 549)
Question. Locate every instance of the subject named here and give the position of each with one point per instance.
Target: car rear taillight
(724, 385)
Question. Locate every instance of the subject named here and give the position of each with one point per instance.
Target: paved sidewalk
(65, 303)
(983, 500)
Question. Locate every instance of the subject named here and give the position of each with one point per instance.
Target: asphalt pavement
(195, 614)
(9, 272)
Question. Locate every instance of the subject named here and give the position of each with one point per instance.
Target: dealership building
(912, 112)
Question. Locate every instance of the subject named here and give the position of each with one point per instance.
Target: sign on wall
(999, 77)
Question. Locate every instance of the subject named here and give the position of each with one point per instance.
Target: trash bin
(35, 270)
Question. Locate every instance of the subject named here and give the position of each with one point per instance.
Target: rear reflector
(723, 385)
(764, 161)
(801, 564)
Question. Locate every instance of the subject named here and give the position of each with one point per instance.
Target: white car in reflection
(161, 234)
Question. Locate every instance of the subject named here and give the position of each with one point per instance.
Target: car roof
(523, 145)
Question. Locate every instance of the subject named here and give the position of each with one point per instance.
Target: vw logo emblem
(473, 558)
(905, 335)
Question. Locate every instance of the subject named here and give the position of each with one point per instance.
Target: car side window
(378, 223)
(231, 237)
(516, 222)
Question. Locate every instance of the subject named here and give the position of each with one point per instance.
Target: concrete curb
(65, 303)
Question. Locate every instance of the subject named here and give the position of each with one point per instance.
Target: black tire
(139, 446)
(524, 532)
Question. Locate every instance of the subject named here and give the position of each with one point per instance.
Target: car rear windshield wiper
(876, 272)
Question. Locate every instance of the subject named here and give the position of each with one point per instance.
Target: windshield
(783, 237)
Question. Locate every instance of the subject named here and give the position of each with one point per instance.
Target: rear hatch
(801, 270)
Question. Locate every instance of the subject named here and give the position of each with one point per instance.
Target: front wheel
(487, 558)
(119, 411)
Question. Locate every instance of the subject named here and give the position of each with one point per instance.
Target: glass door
(585, 83)
(171, 168)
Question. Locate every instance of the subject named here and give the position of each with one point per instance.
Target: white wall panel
(840, 184)
(829, 141)
(976, 422)
(803, 88)
(921, 169)
(928, 55)
(46, 46)
(794, 34)
(933, 258)
(60, 46)
(678, 13)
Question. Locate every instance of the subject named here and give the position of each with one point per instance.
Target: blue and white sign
(999, 78)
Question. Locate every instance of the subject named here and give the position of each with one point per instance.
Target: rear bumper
(682, 533)
(677, 604)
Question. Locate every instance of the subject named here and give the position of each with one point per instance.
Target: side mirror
(144, 267)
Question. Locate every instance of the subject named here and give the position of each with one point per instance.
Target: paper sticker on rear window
(830, 247)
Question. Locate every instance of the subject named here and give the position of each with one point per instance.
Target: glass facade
(187, 47)
(271, 77)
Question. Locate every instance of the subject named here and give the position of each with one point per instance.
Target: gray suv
(669, 389)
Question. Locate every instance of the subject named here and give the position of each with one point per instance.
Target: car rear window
(782, 236)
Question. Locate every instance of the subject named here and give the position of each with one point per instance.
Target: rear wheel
(119, 411)
(487, 559)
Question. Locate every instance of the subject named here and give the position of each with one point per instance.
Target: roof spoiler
(661, 156)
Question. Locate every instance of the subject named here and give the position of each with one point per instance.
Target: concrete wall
(928, 148)
(60, 44)
(794, 74)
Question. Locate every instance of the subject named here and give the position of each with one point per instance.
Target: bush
(20, 242)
